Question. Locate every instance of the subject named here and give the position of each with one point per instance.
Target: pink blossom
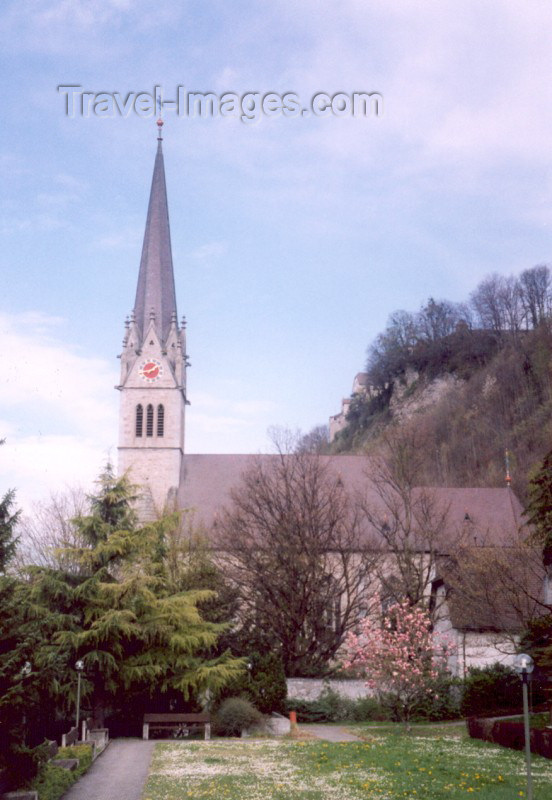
(399, 655)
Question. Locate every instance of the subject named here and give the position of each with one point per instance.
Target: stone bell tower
(153, 365)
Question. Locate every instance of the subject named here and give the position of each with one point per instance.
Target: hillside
(467, 391)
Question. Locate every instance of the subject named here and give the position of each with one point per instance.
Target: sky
(294, 237)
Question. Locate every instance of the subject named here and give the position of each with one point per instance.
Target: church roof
(482, 516)
(155, 292)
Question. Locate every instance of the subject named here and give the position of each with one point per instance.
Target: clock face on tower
(150, 370)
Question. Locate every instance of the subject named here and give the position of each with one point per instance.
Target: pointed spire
(155, 289)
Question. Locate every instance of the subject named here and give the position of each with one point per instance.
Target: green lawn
(456, 729)
(385, 766)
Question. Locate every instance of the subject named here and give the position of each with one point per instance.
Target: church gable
(151, 368)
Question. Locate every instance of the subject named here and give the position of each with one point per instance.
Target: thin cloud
(59, 419)
(209, 251)
(129, 238)
(38, 465)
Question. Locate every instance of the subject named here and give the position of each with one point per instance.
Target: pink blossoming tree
(399, 656)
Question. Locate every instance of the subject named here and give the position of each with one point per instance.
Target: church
(153, 400)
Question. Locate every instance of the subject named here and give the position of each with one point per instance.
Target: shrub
(445, 704)
(331, 707)
(54, 781)
(489, 690)
(235, 715)
(264, 684)
(22, 765)
(307, 710)
(367, 709)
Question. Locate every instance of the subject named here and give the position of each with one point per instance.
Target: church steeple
(155, 293)
(153, 366)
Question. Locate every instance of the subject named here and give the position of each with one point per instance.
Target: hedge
(55, 781)
(510, 734)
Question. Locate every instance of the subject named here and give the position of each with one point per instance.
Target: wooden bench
(180, 726)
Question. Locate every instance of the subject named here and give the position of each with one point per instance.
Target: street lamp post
(79, 666)
(26, 670)
(524, 666)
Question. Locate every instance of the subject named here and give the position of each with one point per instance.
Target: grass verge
(384, 767)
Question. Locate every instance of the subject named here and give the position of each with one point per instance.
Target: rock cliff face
(417, 394)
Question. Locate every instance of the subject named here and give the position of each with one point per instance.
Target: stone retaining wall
(312, 688)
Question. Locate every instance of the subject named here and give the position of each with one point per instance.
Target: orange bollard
(293, 717)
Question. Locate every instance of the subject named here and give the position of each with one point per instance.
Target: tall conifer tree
(539, 508)
(137, 635)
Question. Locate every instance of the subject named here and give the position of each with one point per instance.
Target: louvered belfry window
(149, 420)
(139, 419)
(160, 420)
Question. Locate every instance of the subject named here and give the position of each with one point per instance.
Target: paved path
(118, 774)
(331, 733)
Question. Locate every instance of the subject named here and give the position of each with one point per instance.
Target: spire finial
(160, 120)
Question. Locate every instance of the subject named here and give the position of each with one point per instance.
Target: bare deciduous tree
(292, 545)
(388, 355)
(410, 522)
(48, 533)
(487, 304)
(510, 299)
(498, 588)
(315, 441)
(438, 319)
(536, 290)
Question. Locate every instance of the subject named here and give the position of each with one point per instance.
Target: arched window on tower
(149, 420)
(160, 420)
(139, 419)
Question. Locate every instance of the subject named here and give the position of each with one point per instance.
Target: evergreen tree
(24, 701)
(537, 640)
(119, 613)
(539, 508)
(191, 565)
(266, 686)
(8, 521)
